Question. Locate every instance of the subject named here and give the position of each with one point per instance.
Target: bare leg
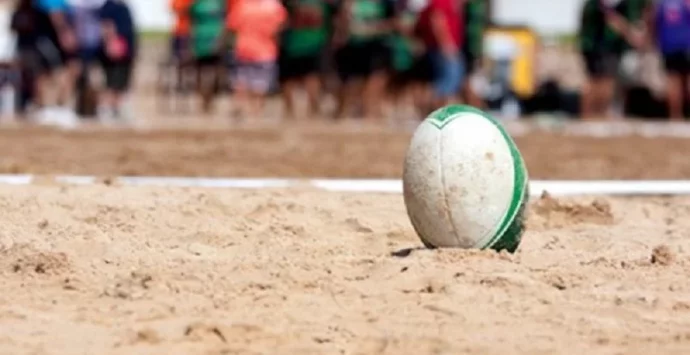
(256, 106)
(289, 88)
(674, 96)
(607, 94)
(67, 79)
(41, 89)
(312, 84)
(242, 101)
(373, 92)
(471, 97)
(587, 99)
(207, 82)
(346, 95)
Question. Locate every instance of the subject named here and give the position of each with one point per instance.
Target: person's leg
(674, 96)
(120, 87)
(312, 84)
(208, 76)
(673, 65)
(259, 84)
(606, 92)
(49, 62)
(67, 80)
(240, 82)
(447, 76)
(375, 70)
(591, 89)
(106, 99)
(288, 84)
(346, 67)
(608, 84)
(469, 95)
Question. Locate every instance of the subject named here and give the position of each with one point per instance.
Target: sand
(291, 150)
(125, 270)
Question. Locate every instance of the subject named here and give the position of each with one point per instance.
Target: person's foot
(106, 115)
(66, 118)
(124, 114)
(58, 117)
(44, 116)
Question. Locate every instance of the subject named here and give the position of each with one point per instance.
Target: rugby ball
(465, 183)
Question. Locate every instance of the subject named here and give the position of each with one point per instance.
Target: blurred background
(71, 62)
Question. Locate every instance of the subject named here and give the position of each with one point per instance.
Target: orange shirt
(256, 24)
(182, 25)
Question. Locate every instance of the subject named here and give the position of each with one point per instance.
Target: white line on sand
(537, 187)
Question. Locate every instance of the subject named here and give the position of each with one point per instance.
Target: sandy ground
(123, 270)
(321, 151)
(115, 270)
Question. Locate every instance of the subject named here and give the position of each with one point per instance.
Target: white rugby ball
(465, 182)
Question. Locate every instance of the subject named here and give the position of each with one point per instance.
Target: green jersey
(475, 19)
(207, 19)
(402, 45)
(597, 36)
(309, 27)
(365, 15)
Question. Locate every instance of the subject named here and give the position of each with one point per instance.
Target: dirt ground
(316, 151)
(123, 270)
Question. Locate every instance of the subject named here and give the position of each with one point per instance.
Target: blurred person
(256, 25)
(607, 30)
(301, 51)
(45, 42)
(179, 44)
(119, 55)
(9, 69)
(207, 20)
(28, 24)
(407, 84)
(442, 29)
(671, 27)
(84, 17)
(475, 19)
(60, 42)
(362, 52)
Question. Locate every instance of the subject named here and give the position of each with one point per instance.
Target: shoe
(44, 116)
(66, 118)
(105, 115)
(124, 114)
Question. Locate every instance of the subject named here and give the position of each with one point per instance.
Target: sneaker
(106, 115)
(44, 116)
(66, 118)
(124, 114)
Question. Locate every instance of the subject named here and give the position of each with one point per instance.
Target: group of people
(58, 42)
(372, 46)
(378, 51)
(611, 28)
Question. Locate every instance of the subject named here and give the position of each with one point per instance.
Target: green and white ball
(465, 182)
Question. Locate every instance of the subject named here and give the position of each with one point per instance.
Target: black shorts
(677, 63)
(208, 61)
(361, 60)
(600, 65)
(419, 72)
(178, 46)
(118, 75)
(298, 67)
(44, 56)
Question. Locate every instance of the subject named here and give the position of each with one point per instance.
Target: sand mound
(550, 212)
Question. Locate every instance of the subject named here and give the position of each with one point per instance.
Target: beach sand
(123, 270)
